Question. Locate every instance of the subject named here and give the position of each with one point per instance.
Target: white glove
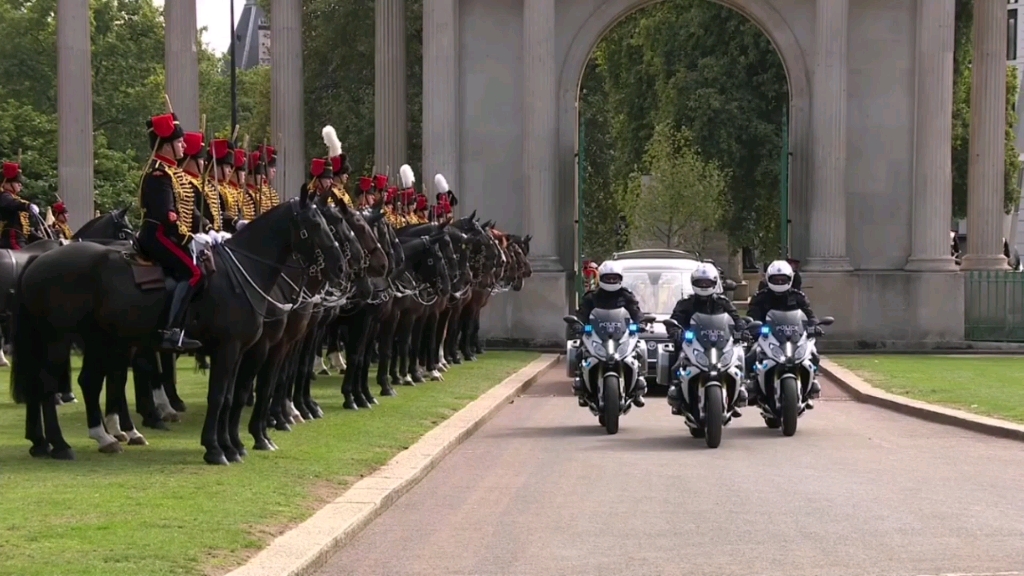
(34, 209)
(214, 237)
(223, 236)
(203, 239)
(241, 224)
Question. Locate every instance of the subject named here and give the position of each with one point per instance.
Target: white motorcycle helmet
(704, 280)
(609, 276)
(779, 276)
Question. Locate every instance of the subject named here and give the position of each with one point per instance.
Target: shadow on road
(550, 432)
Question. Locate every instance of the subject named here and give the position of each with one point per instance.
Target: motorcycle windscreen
(610, 324)
(787, 325)
(712, 331)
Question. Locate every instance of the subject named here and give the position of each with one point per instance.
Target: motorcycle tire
(714, 415)
(612, 406)
(790, 404)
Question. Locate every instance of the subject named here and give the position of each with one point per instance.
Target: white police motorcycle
(783, 369)
(704, 385)
(611, 360)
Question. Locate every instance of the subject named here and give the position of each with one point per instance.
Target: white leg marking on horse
(99, 434)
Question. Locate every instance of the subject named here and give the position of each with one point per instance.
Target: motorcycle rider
(782, 295)
(610, 294)
(707, 298)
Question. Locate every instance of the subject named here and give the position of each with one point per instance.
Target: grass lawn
(159, 510)
(986, 385)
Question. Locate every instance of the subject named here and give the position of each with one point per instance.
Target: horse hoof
(470, 358)
(40, 451)
(362, 403)
(316, 412)
(372, 400)
(68, 398)
(215, 459)
(63, 453)
(120, 437)
(303, 416)
(262, 444)
(312, 376)
(139, 440)
(112, 448)
(155, 423)
(242, 452)
(282, 426)
(457, 360)
(178, 405)
(418, 379)
(395, 380)
(272, 445)
(171, 417)
(387, 391)
(234, 458)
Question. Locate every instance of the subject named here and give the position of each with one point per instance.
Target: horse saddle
(149, 275)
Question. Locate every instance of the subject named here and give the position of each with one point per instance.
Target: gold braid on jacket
(184, 200)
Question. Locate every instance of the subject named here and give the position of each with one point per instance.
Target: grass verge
(158, 510)
(986, 385)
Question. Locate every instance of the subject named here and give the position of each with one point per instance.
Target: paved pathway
(542, 490)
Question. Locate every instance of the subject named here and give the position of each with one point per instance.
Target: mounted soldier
(446, 199)
(268, 195)
(168, 208)
(321, 177)
(410, 200)
(392, 213)
(60, 228)
(245, 192)
(193, 164)
(222, 154)
(339, 167)
(14, 210)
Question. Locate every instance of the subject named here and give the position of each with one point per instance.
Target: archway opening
(684, 129)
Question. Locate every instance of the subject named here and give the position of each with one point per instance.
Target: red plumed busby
(380, 181)
(269, 155)
(12, 172)
(320, 168)
(256, 164)
(421, 202)
(163, 129)
(365, 184)
(392, 194)
(59, 208)
(240, 160)
(194, 144)
(221, 152)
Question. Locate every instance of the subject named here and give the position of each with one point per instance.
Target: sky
(213, 14)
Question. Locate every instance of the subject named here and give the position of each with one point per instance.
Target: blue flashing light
(765, 331)
(688, 336)
(633, 327)
(588, 328)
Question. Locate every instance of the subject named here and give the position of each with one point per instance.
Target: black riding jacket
(606, 300)
(693, 304)
(767, 300)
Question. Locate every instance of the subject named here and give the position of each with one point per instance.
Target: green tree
(684, 198)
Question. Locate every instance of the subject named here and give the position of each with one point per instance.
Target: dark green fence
(994, 306)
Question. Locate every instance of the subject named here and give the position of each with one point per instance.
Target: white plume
(441, 184)
(407, 176)
(331, 139)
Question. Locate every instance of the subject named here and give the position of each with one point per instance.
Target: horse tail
(28, 350)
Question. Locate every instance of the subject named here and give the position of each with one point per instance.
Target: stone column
(286, 112)
(540, 132)
(391, 142)
(441, 94)
(827, 244)
(933, 176)
(181, 61)
(986, 168)
(74, 110)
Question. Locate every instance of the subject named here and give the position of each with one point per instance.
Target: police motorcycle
(705, 382)
(611, 360)
(784, 369)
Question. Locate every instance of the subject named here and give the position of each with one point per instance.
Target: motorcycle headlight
(801, 352)
(699, 358)
(596, 348)
(726, 358)
(777, 354)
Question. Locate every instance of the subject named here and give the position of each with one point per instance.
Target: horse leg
(58, 354)
(278, 404)
(169, 379)
(116, 363)
(364, 377)
(34, 430)
(308, 349)
(264, 396)
(90, 379)
(478, 346)
(245, 380)
(385, 342)
(318, 334)
(416, 349)
(146, 376)
(467, 337)
(224, 364)
(404, 336)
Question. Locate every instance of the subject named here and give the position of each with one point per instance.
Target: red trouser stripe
(177, 251)
(14, 240)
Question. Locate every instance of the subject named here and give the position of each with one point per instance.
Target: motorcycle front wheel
(611, 403)
(790, 404)
(714, 414)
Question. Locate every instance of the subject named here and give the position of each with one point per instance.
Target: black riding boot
(174, 335)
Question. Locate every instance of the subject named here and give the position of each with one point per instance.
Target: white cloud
(213, 14)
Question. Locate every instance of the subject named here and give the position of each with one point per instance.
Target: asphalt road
(541, 489)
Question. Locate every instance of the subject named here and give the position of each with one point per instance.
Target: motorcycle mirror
(826, 321)
(672, 324)
(728, 285)
(754, 326)
(571, 320)
(648, 318)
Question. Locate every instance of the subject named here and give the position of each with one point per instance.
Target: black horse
(92, 291)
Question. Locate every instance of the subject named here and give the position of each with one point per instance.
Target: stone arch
(582, 44)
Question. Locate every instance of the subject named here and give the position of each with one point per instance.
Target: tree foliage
(706, 68)
(684, 198)
(128, 85)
